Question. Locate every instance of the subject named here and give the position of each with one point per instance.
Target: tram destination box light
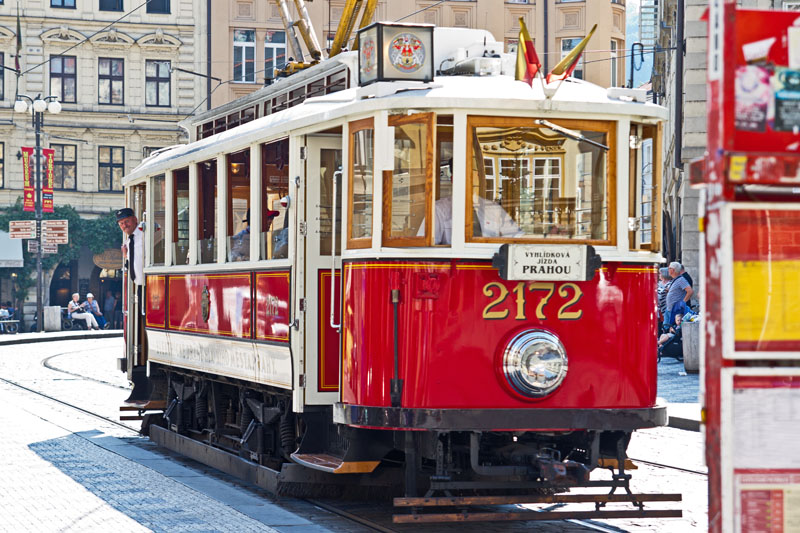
(395, 52)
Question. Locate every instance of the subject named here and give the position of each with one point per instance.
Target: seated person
(76, 310)
(673, 331)
(240, 243)
(489, 219)
(93, 307)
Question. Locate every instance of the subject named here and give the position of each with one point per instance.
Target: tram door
(323, 165)
(133, 318)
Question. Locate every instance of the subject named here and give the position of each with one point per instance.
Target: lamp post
(37, 108)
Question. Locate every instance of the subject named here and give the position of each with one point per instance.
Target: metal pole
(37, 124)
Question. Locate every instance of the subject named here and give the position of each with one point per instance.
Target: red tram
(450, 278)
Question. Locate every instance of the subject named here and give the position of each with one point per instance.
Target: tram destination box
(395, 52)
(546, 262)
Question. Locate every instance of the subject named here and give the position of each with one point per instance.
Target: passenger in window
(240, 245)
(488, 220)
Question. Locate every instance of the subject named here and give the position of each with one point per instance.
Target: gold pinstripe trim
(282, 274)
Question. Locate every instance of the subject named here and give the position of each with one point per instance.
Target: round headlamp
(535, 363)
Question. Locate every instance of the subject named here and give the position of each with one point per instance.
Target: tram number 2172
(569, 293)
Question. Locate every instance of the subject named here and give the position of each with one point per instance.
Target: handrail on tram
(336, 176)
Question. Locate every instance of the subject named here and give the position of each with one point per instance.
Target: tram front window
(538, 180)
(238, 230)
(274, 238)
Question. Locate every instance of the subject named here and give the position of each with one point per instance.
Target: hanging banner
(47, 185)
(29, 194)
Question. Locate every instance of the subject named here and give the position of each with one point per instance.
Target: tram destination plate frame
(546, 262)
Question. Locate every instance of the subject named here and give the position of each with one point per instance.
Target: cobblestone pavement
(63, 471)
(675, 385)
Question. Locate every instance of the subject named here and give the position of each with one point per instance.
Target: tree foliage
(97, 234)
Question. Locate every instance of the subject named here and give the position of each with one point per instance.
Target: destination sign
(546, 262)
(22, 229)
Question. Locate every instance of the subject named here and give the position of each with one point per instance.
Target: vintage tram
(450, 278)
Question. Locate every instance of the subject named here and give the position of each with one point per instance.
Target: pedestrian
(687, 277)
(108, 308)
(76, 310)
(93, 307)
(664, 281)
(679, 290)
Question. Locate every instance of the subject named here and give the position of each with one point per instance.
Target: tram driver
(488, 220)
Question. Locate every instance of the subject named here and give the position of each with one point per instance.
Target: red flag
(29, 193)
(528, 64)
(47, 185)
(570, 61)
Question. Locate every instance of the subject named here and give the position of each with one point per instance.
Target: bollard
(691, 346)
(52, 318)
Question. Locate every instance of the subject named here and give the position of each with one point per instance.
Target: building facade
(112, 65)
(679, 83)
(248, 40)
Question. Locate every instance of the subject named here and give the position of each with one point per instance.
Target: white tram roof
(498, 94)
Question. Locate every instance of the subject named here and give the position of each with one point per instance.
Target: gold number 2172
(499, 293)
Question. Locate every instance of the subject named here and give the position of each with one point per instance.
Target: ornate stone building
(248, 39)
(113, 66)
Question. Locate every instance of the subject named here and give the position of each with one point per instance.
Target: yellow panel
(766, 300)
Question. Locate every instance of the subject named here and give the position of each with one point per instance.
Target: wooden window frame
(609, 127)
(428, 119)
(355, 127)
(655, 132)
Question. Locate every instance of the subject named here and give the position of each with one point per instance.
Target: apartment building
(248, 40)
(112, 64)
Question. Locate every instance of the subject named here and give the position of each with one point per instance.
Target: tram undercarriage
(214, 419)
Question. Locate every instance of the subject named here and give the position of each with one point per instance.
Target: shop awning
(10, 251)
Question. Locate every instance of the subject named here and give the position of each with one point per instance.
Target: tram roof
(484, 95)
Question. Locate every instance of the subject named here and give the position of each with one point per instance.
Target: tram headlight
(535, 363)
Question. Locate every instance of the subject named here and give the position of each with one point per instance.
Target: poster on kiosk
(752, 270)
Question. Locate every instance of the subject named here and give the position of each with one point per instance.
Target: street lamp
(37, 108)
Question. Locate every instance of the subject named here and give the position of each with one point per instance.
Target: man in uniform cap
(133, 244)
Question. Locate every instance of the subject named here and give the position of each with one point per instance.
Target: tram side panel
(456, 318)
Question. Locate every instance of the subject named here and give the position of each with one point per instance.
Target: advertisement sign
(29, 192)
(764, 281)
(47, 183)
(763, 82)
(761, 469)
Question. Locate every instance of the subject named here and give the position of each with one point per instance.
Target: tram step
(544, 498)
(531, 515)
(147, 406)
(334, 465)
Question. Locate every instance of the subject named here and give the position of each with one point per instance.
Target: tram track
(339, 510)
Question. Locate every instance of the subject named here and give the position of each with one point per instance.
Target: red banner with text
(47, 185)
(29, 194)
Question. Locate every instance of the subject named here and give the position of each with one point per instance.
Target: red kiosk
(752, 270)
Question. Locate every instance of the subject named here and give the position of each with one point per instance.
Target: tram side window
(238, 223)
(547, 184)
(180, 222)
(362, 170)
(207, 204)
(644, 182)
(407, 188)
(158, 186)
(274, 238)
(330, 167)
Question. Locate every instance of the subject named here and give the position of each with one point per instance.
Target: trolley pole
(37, 126)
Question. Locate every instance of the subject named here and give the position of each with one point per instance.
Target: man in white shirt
(489, 220)
(133, 245)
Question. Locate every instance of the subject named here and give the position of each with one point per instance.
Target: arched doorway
(105, 281)
(61, 285)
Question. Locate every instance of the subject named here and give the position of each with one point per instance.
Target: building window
(2, 166)
(244, 56)
(63, 3)
(111, 168)
(566, 47)
(614, 66)
(516, 1)
(158, 6)
(791, 5)
(157, 83)
(63, 81)
(274, 52)
(110, 5)
(65, 166)
(111, 79)
(2, 76)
